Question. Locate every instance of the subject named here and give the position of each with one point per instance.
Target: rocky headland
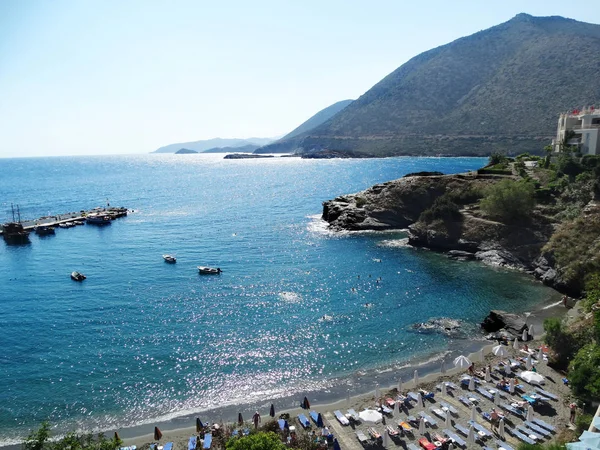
(464, 231)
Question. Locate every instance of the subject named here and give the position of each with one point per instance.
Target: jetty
(71, 218)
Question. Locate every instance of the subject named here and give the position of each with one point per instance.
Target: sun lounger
(485, 393)
(413, 396)
(373, 433)
(438, 412)
(282, 423)
(362, 437)
(424, 442)
(168, 446)
(449, 407)
(512, 410)
(406, 427)
(314, 416)
(465, 401)
(192, 443)
(543, 424)
(341, 418)
(389, 401)
(537, 429)
(528, 399)
(480, 428)
(303, 421)
(459, 441)
(461, 429)
(528, 432)
(427, 394)
(353, 415)
(412, 446)
(392, 431)
(207, 441)
(519, 435)
(474, 398)
(386, 410)
(503, 445)
(546, 393)
(428, 418)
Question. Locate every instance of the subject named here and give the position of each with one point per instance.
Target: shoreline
(384, 378)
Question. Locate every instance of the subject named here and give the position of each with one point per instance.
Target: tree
(496, 158)
(584, 373)
(509, 200)
(256, 441)
(38, 439)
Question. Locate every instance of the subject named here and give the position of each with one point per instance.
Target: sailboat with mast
(13, 232)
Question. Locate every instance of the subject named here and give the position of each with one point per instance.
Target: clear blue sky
(112, 76)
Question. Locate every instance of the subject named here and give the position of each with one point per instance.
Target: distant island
(246, 156)
(212, 144)
(185, 151)
(243, 149)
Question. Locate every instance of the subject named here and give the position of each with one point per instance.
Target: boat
(14, 232)
(76, 276)
(170, 259)
(98, 219)
(44, 230)
(209, 270)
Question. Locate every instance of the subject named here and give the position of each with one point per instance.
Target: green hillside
(498, 90)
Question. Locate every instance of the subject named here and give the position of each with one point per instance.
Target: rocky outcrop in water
(512, 325)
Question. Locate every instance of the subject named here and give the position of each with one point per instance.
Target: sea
(298, 309)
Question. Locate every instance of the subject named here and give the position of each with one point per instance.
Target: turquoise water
(141, 340)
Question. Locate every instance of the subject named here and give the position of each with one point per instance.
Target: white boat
(170, 259)
(76, 276)
(209, 270)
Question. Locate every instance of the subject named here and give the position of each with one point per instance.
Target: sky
(93, 77)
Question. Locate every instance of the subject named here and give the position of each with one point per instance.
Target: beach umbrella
(501, 429)
(422, 426)
(481, 355)
(531, 331)
(488, 375)
(157, 434)
(511, 386)
(529, 415)
(370, 415)
(448, 421)
(348, 398)
(474, 413)
(272, 410)
(117, 437)
(450, 446)
(532, 377)
(507, 369)
(396, 408)
(540, 355)
(198, 425)
(320, 421)
(240, 419)
(471, 435)
(525, 335)
(497, 398)
(516, 344)
(384, 439)
(377, 394)
(443, 368)
(306, 403)
(462, 362)
(336, 445)
(416, 377)
(399, 385)
(472, 384)
(444, 389)
(500, 350)
(528, 362)
(419, 400)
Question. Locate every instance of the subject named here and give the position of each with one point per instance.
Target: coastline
(179, 429)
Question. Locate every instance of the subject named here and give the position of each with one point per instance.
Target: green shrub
(360, 202)
(442, 209)
(561, 341)
(40, 440)
(583, 422)
(256, 441)
(497, 158)
(509, 200)
(584, 373)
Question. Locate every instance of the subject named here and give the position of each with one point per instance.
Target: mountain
(286, 143)
(500, 89)
(243, 149)
(185, 151)
(207, 144)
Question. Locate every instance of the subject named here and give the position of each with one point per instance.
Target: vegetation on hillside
(40, 440)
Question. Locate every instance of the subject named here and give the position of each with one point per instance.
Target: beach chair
(485, 393)
(402, 399)
(386, 410)
(392, 431)
(168, 446)
(474, 398)
(448, 407)
(282, 424)
(503, 445)
(528, 432)
(207, 441)
(192, 443)
(512, 410)
(373, 433)
(390, 402)
(461, 429)
(413, 396)
(486, 415)
(438, 412)
(353, 415)
(341, 418)
(550, 395)
(451, 385)
(303, 421)
(406, 427)
(432, 422)
(537, 429)
(457, 440)
(412, 446)
(362, 437)
(424, 443)
(465, 401)
(314, 416)
(543, 424)
(528, 399)
(519, 435)
(483, 431)
(427, 394)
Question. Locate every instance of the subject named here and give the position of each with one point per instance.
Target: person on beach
(256, 419)
(472, 368)
(495, 418)
(573, 408)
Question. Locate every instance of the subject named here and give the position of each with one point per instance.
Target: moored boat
(13, 232)
(44, 230)
(170, 259)
(98, 219)
(202, 270)
(76, 276)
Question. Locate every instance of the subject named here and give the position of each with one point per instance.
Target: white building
(582, 127)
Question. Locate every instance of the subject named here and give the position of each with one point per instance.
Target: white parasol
(471, 435)
(532, 377)
(443, 368)
(370, 415)
(416, 377)
(501, 429)
(384, 439)
(531, 331)
(473, 413)
(529, 415)
(471, 384)
(500, 350)
(462, 362)
(488, 375)
(528, 362)
(399, 385)
(511, 386)
(422, 426)
(525, 335)
(516, 344)
(448, 421)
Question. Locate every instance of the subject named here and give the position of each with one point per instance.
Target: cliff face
(398, 205)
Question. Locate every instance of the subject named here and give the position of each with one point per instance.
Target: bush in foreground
(40, 440)
(256, 441)
(509, 200)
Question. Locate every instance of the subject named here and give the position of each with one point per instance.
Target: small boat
(44, 230)
(76, 276)
(209, 270)
(170, 259)
(98, 219)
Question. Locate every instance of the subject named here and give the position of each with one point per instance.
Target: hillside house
(580, 128)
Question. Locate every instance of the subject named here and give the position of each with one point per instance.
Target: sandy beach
(553, 412)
